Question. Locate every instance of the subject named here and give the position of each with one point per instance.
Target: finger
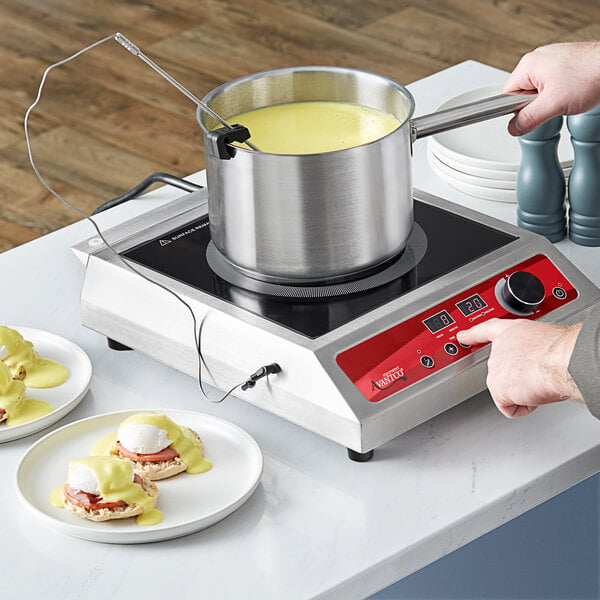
(514, 411)
(484, 332)
(503, 400)
(514, 128)
(532, 115)
(518, 81)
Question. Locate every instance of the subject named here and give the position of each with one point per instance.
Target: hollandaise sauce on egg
(314, 127)
(26, 364)
(15, 408)
(152, 437)
(106, 482)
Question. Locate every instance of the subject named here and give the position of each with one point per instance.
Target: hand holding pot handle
(467, 114)
(567, 77)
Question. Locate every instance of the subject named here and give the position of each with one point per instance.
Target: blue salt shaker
(541, 183)
(584, 181)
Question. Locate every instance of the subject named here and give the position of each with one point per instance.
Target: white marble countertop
(319, 525)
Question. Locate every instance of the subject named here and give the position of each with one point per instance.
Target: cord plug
(271, 369)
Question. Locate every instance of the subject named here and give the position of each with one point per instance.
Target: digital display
(471, 305)
(438, 321)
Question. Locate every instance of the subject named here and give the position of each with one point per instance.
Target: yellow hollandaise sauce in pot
(314, 127)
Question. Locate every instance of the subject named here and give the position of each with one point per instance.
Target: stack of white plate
(482, 160)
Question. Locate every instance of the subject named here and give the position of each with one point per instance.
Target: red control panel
(414, 349)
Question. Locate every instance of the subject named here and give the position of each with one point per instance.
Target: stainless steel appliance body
(312, 390)
(320, 217)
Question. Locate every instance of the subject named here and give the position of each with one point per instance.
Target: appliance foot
(360, 456)
(114, 345)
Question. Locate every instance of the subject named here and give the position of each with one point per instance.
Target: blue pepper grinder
(584, 181)
(541, 183)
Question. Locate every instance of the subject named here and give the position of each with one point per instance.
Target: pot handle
(467, 114)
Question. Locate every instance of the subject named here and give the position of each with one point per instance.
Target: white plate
(64, 398)
(452, 173)
(479, 187)
(189, 503)
(491, 174)
(477, 191)
(438, 152)
(488, 144)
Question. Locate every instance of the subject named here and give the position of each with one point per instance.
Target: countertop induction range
(358, 367)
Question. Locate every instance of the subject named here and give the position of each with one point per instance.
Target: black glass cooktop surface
(452, 241)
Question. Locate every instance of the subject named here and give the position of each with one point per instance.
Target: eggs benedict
(157, 447)
(101, 488)
(26, 364)
(15, 408)
(12, 394)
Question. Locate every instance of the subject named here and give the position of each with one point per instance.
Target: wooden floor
(107, 121)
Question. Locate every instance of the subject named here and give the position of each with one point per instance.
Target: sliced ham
(93, 501)
(165, 454)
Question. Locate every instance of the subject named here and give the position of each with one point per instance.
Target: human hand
(566, 78)
(528, 364)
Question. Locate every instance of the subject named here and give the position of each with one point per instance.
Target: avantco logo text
(388, 379)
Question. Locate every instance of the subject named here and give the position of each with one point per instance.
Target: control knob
(521, 293)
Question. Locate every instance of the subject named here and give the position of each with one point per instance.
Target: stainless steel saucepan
(324, 217)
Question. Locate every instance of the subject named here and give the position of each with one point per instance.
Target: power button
(559, 293)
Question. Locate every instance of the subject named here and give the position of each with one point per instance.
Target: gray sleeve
(584, 365)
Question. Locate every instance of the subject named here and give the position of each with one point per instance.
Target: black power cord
(187, 186)
(158, 177)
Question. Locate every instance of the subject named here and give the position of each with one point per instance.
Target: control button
(427, 361)
(464, 345)
(521, 293)
(559, 293)
(451, 349)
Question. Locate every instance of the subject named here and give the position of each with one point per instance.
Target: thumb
(532, 115)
